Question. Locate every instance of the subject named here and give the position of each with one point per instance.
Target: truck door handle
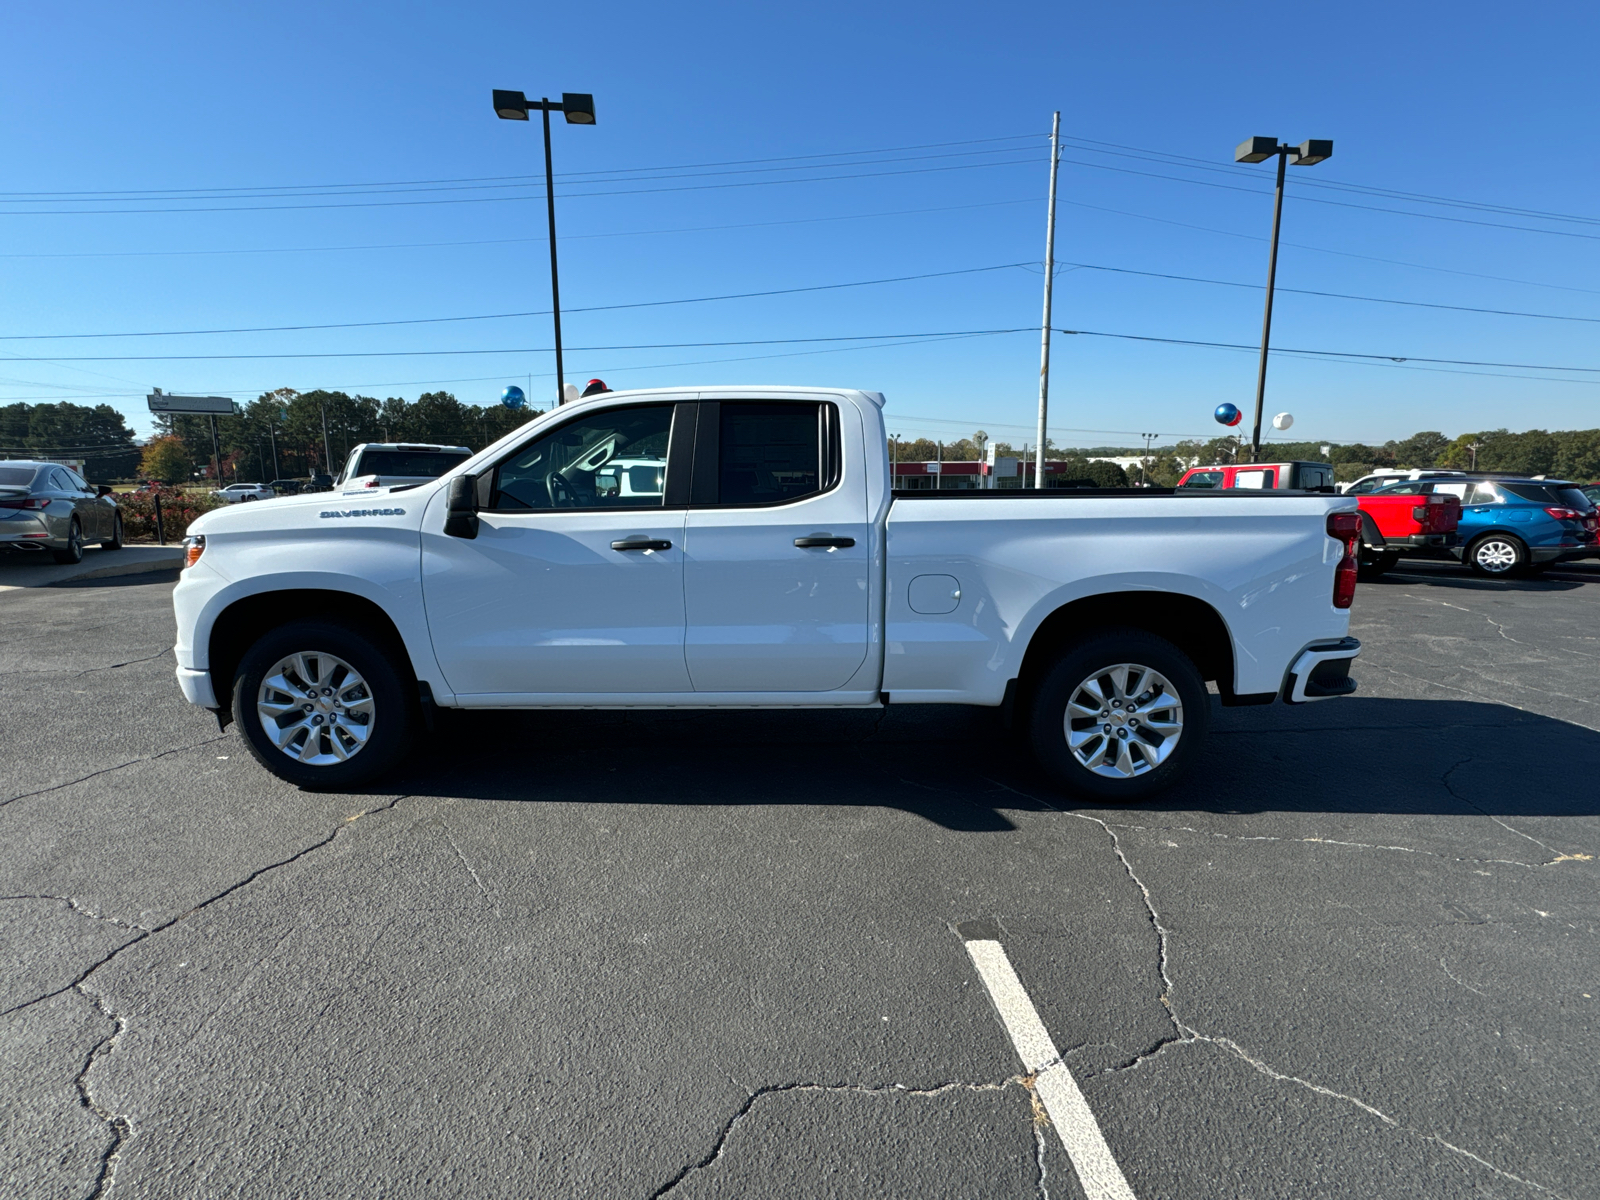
(642, 544)
(843, 543)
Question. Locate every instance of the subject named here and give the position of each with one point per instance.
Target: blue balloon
(1228, 414)
(512, 397)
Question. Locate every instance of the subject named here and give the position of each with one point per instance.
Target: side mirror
(461, 507)
(103, 489)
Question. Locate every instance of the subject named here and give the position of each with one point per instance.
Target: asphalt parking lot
(699, 955)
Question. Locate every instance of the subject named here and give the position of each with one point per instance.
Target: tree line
(286, 434)
(292, 422)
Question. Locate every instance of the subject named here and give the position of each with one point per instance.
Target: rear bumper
(1425, 541)
(1560, 553)
(1322, 672)
(196, 687)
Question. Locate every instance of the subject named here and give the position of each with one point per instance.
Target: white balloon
(1282, 421)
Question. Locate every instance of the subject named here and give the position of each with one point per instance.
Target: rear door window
(771, 453)
(1484, 493)
(1255, 480)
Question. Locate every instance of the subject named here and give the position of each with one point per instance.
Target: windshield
(425, 464)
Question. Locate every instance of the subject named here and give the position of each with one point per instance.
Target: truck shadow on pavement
(1563, 577)
(961, 769)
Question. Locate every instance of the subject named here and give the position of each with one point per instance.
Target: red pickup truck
(1396, 525)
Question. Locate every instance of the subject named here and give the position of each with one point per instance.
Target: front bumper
(196, 686)
(1322, 672)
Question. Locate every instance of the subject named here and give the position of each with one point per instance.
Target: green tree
(166, 460)
(1419, 450)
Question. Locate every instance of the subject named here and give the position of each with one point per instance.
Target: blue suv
(1512, 525)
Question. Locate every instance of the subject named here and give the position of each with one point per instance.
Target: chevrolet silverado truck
(742, 548)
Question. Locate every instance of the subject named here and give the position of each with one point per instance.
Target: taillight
(193, 547)
(37, 502)
(1345, 527)
(1565, 514)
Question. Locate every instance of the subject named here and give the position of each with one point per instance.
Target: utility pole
(216, 451)
(1049, 279)
(327, 452)
(1144, 462)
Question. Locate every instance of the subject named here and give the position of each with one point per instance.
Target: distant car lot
(688, 953)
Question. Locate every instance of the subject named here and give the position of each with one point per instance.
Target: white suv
(1388, 475)
(235, 492)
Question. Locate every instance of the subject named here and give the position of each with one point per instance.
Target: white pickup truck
(741, 547)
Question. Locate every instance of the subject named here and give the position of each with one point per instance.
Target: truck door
(570, 585)
(777, 548)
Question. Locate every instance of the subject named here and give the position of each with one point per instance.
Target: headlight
(193, 548)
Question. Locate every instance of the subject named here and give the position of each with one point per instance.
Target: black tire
(393, 705)
(114, 542)
(1077, 666)
(1497, 556)
(73, 552)
(1372, 563)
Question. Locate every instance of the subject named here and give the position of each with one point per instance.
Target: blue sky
(926, 125)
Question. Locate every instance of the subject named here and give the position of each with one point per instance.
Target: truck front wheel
(321, 706)
(1119, 716)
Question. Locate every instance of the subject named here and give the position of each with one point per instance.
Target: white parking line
(1059, 1092)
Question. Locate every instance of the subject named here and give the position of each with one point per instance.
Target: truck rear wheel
(1120, 716)
(321, 706)
(1372, 563)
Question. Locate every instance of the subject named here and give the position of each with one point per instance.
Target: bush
(178, 510)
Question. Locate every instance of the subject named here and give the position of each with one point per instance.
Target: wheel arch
(249, 618)
(1188, 622)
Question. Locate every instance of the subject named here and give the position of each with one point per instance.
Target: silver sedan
(46, 506)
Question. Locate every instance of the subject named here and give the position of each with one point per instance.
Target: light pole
(894, 460)
(1306, 154)
(579, 110)
(1143, 462)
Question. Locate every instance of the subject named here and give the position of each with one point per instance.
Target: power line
(623, 176)
(1322, 181)
(147, 192)
(822, 287)
(539, 195)
(1234, 187)
(565, 237)
(1500, 312)
(1338, 354)
(512, 350)
(1394, 262)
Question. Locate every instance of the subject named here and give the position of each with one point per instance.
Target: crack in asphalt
(1325, 841)
(121, 1128)
(162, 653)
(1188, 1035)
(120, 1125)
(73, 904)
(132, 762)
(1560, 856)
(752, 1098)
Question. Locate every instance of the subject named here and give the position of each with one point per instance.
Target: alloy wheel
(316, 708)
(1495, 555)
(1124, 721)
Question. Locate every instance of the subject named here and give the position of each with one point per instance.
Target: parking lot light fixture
(1306, 154)
(578, 108)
